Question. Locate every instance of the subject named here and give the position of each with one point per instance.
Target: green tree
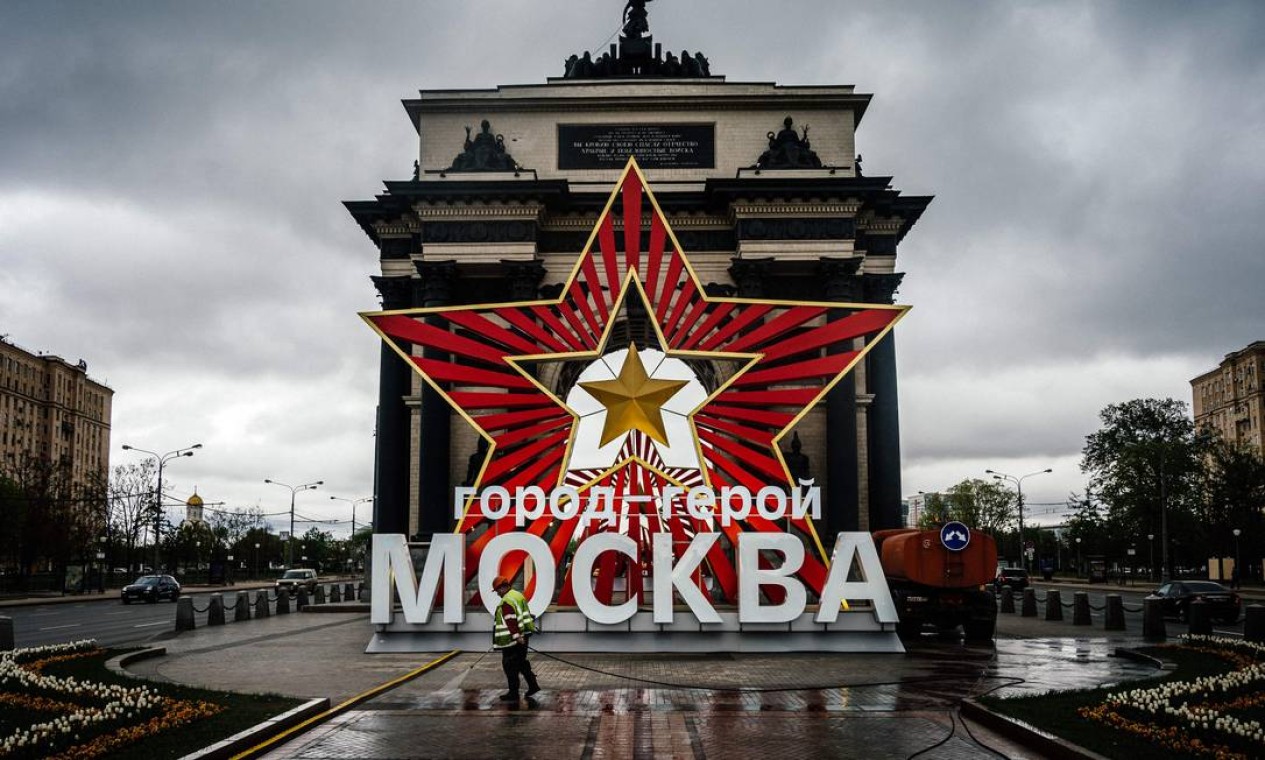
(1146, 464)
(981, 504)
(1234, 498)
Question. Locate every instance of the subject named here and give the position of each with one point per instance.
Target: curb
(1027, 735)
(1136, 656)
(261, 732)
(334, 607)
(118, 664)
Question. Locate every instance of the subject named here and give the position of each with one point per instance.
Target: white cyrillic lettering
(542, 557)
(700, 502)
(564, 503)
(751, 577)
(524, 512)
(667, 496)
(727, 513)
(460, 495)
(771, 494)
(485, 500)
(871, 587)
(667, 577)
(393, 571)
(806, 502)
(582, 577)
(602, 504)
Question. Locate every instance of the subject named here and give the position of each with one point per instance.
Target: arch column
(884, 421)
(840, 283)
(391, 443)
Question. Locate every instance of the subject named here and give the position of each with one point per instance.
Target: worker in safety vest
(514, 623)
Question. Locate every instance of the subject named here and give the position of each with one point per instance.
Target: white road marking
(55, 627)
(147, 625)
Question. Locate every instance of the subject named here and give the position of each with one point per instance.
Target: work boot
(509, 696)
(532, 687)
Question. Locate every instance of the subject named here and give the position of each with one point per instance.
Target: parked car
(292, 580)
(1223, 604)
(151, 588)
(1015, 577)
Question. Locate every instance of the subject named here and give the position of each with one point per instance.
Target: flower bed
(1214, 716)
(1212, 705)
(60, 702)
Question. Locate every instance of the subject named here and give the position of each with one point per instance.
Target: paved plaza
(645, 706)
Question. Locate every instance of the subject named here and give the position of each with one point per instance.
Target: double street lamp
(293, 491)
(1023, 550)
(354, 503)
(158, 497)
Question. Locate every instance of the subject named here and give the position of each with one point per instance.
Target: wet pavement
(648, 706)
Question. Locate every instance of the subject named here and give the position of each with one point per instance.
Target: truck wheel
(979, 630)
(908, 629)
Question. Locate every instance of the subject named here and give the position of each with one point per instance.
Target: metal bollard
(1053, 605)
(1115, 613)
(1029, 603)
(215, 615)
(335, 594)
(1153, 620)
(362, 593)
(1253, 624)
(349, 592)
(261, 604)
(241, 610)
(184, 614)
(1007, 599)
(320, 595)
(1199, 619)
(6, 634)
(1080, 608)
(303, 599)
(283, 602)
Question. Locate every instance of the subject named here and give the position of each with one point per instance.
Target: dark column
(842, 507)
(391, 456)
(434, 497)
(748, 275)
(884, 424)
(524, 279)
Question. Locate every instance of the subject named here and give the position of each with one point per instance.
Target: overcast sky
(171, 177)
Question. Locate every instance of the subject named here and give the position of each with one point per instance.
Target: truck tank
(934, 586)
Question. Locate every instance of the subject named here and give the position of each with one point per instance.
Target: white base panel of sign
(566, 631)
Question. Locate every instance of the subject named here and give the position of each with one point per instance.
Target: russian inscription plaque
(656, 146)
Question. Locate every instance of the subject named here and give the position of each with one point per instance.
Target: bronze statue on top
(484, 152)
(789, 149)
(637, 55)
(635, 19)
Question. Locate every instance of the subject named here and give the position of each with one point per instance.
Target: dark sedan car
(1223, 604)
(1015, 577)
(151, 588)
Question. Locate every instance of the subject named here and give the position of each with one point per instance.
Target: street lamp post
(354, 503)
(1150, 567)
(293, 491)
(1078, 556)
(1023, 551)
(256, 559)
(1238, 574)
(158, 500)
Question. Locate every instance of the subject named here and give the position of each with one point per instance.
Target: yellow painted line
(315, 720)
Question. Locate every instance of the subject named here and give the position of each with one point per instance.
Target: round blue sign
(955, 536)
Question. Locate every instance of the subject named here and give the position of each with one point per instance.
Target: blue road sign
(955, 536)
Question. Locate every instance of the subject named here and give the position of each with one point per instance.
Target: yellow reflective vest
(501, 637)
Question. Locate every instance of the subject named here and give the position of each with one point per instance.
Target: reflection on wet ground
(869, 705)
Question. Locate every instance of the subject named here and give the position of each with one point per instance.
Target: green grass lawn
(239, 711)
(1057, 713)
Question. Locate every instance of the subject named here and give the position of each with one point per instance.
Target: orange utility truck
(940, 578)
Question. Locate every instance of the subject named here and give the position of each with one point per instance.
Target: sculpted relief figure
(483, 152)
(789, 149)
(635, 19)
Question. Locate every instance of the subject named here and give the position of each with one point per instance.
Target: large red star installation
(787, 355)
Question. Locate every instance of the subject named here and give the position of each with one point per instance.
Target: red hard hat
(499, 581)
